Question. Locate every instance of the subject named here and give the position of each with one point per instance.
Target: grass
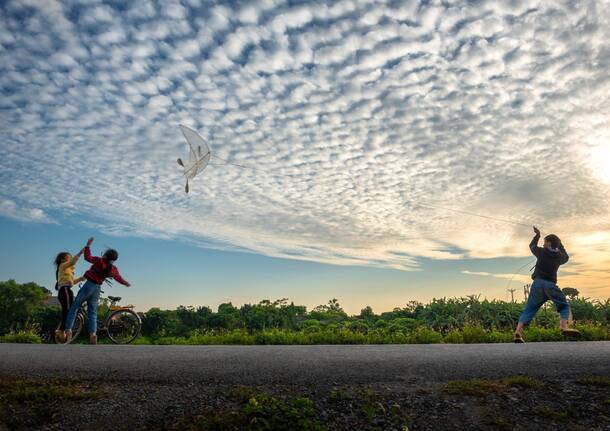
(474, 387)
(484, 387)
(320, 335)
(29, 403)
(550, 413)
(522, 382)
(258, 411)
(22, 337)
(601, 381)
(253, 409)
(492, 418)
(338, 395)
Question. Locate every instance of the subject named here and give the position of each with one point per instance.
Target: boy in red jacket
(101, 269)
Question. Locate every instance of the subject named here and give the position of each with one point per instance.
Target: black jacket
(548, 261)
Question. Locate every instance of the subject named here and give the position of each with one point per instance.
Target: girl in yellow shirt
(65, 263)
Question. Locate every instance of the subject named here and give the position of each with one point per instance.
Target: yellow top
(65, 276)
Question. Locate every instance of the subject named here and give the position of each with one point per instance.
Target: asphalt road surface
(306, 364)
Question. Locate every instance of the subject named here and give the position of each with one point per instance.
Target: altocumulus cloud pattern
(355, 113)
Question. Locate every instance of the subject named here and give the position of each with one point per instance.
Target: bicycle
(121, 323)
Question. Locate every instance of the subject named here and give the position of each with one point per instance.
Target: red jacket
(99, 268)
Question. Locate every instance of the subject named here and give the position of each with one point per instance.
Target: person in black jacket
(544, 288)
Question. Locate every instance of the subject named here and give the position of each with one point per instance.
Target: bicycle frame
(104, 323)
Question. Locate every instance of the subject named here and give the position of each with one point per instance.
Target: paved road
(306, 364)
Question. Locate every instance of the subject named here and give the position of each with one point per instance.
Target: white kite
(199, 155)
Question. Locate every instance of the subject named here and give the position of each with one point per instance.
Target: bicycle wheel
(123, 326)
(76, 329)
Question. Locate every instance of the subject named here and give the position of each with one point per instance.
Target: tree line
(22, 305)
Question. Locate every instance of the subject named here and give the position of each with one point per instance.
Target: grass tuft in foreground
(550, 413)
(522, 382)
(474, 387)
(259, 411)
(601, 381)
(483, 387)
(254, 409)
(29, 403)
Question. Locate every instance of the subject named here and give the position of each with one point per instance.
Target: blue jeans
(90, 293)
(540, 292)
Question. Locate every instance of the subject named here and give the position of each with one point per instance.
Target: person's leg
(561, 304)
(62, 297)
(534, 301)
(70, 296)
(81, 297)
(92, 306)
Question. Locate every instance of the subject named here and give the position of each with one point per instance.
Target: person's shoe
(60, 337)
(570, 332)
(67, 337)
(92, 339)
(518, 338)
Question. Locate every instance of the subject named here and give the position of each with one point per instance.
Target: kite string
(517, 272)
(252, 168)
(226, 162)
(473, 214)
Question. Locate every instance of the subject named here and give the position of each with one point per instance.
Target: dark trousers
(66, 298)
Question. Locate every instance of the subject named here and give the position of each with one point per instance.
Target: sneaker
(518, 338)
(67, 337)
(92, 339)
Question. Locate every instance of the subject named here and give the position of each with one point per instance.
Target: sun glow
(600, 162)
(599, 154)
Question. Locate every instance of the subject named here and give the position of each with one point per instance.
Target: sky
(362, 127)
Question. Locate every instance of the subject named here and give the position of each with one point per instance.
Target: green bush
(474, 334)
(495, 336)
(535, 333)
(23, 337)
(453, 337)
(47, 318)
(593, 332)
(402, 324)
(450, 320)
(425, 336)
(18, 302)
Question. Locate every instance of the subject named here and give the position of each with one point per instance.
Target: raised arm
(87, 251)
(76, 257)
(564, 254)
(534, 243)
(88, 257)
(117, 276)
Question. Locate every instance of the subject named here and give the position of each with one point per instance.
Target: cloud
(350, 117)
(10, 209)
(514, 277)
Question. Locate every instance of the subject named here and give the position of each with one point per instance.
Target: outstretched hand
(89, 242)
(536, 230)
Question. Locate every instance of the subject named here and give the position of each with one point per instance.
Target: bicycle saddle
(114, 298)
